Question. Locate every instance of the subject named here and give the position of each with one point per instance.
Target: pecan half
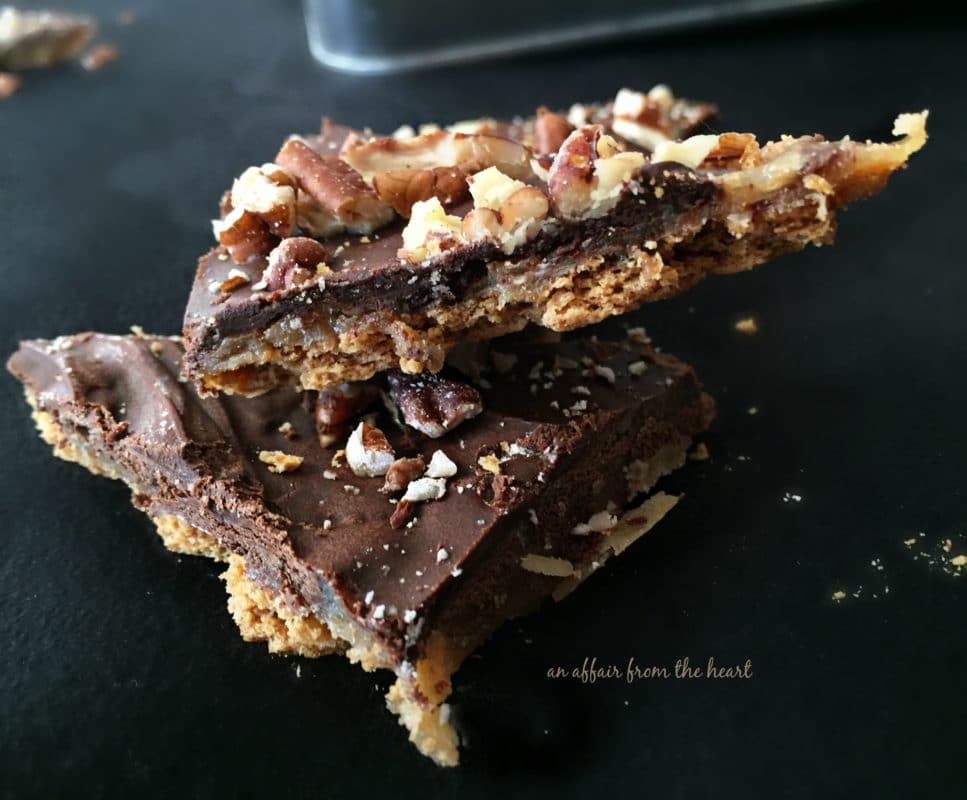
(550, 131)
(293, 262)
(433, 404)
(337, 406)
(335, 188)
(401, 188)
(469, 152)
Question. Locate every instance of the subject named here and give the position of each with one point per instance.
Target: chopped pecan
(266, 192)
(99, 56)
(258, 210)
(336, 189)
(505, 209)
(401, 472)
(589, 174)
(293, 262)
(401, 188)
(9, 84)
(244, 235)
(550, 131)
(733, 150)
(405, 511)
(433, 404)
(337, 406)
(469, 152)
(368, 452)
(429, 232)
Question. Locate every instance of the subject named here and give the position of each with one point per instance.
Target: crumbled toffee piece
(320, 542)
(614, 218)
(31, 39)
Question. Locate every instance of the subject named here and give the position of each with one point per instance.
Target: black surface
(121, 674)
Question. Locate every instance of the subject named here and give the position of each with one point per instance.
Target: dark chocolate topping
(551, 411)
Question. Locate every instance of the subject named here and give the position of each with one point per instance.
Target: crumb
(959, 561)
(9, 84)
(279, 462)
(126, 17)
(947, 545)
(490, 464)
(747, 325)
(298, 670)
(287, 430)
(752, 411)
(909, 542)
(700, 453)
(839, 595)
(327, 524)
(99, 56)
(155, 347)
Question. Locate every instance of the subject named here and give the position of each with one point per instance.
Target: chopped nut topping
(440, 466)
(368, 452)
(429, 232)
(341, 197)
(637, 368)
(262, 209)
(337, 406)
(470, 152)
(504, 209)
(292, 262)
(432, 403)
(589, 174)
(691, 152)
(401, 188)
(425, 489)
(550, 131)
(279, 462)
(401, 472)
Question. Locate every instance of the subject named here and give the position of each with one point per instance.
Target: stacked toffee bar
(429, 480)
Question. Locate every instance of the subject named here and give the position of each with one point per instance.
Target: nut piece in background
(9, 84)
(30, 39)
(99, 56)
(261, 208)
(337, 406)
(401, 188)
(433, 404)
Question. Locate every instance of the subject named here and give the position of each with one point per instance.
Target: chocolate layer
(563, 423)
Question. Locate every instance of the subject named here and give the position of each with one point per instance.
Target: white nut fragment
(691, 152)
(637, 116)
(505, 210)
(429, 232)
(425, 489)
(279, 462)
(368, 452)
(440, 466)
(600, 522)
(267, 192)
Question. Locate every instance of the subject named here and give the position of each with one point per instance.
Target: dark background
(122, 675)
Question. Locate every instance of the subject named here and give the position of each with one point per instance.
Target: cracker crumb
(99, 56)
(287, 430)
(489, 463)
(839, 595)
(329, 475)
(959, 561)
(748, 326)
(752, 411)
(700, 452)
(279, 462)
